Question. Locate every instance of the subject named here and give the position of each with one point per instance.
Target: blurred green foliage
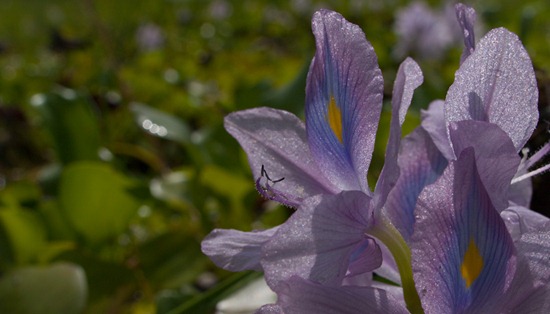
(114, 163)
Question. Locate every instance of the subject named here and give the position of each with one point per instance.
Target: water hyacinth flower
(495, 84)
(327, 156)
(449, 208)
(499, 257)
(324, 162)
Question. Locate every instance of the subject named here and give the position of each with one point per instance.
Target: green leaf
(173, 186)
(96, 200)
(161, 124)
(71, 123)
(206, 302)
(172, 259)
(107, 279)
(25, 232)
(234, 189)
(59, 288)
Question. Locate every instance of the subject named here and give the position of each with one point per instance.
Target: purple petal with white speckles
(496, 158)
(276, 140)
(409, 77)
(420, 164)
(320, 241)
(345, 68)
(453, 213)
(433, 121)
(299, 296)
(236, 250)
(466, 17)
(496, 83)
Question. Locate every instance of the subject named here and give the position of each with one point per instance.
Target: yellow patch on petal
(334, 118)
(472, 264)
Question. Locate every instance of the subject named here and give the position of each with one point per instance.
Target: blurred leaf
(161, 124)
(173, 186)
(292, 96)
(167, 300)
(206, 302)
(96, 200)
(172, 259)
(59, 288)
(71, 123)
(232, 187)
(25, 231)
(105, 278)
(226, 183)
(22, 193)
(54, 218)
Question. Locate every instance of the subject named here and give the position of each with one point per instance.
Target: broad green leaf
(59, 288)
(96, 200)
(71, 123)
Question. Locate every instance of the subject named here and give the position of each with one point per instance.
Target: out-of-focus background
(114, 162)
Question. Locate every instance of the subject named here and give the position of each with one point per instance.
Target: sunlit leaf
(96, 200)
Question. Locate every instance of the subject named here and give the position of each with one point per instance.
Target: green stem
(386, 232)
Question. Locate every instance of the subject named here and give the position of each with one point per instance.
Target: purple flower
(464, 258)
(474, 249)
(495, 84)
(449, 208)
(329, 155)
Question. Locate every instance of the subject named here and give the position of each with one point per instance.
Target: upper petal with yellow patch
(462, 254)
(343, 101)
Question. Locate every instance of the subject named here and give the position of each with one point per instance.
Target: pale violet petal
(466, 17)
(497, 84)
(463, 257)
(520, 220)
(496, 158)
(420, 164)
(299, 296)
(276, 142)
(236, 250)
(343, 100)
(409, 77)
(433, 121)
(321, 239)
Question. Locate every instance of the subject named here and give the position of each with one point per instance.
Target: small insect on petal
(472, 264)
